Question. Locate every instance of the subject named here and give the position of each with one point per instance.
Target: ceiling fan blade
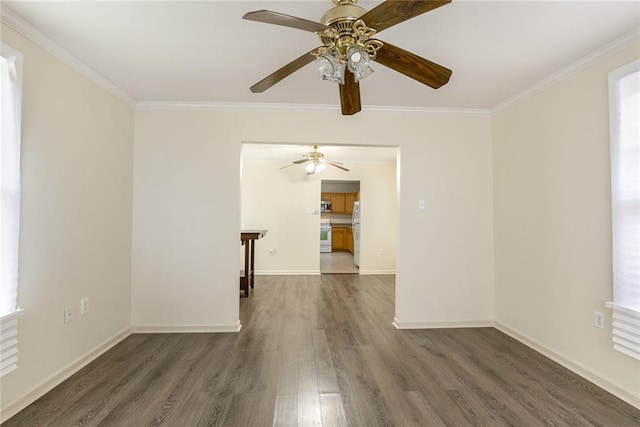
(413, 66)
(350, 94)
(283, 72)
(334, 164)
(393, 12)
(277, 18)
(297, 162)
(333, 161)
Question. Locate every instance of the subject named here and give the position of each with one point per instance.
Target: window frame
(626, 319)
(9, 321)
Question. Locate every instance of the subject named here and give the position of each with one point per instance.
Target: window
(624, 98)
(10, 115)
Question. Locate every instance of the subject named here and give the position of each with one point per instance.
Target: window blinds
(10, 115)
(624, 94)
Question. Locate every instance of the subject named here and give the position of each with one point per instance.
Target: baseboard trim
(185, 329)
(314, 272)
(287, 272)
(442, 325)
(621, 392)
(372, 272)
(60, 376)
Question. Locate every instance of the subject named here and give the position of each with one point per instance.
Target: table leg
(247, 272)
(252, 258)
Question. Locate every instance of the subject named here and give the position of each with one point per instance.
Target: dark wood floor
(321, 350)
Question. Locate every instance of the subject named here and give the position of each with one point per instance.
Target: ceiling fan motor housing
(315, 155)
(341, 20)
(345, 11)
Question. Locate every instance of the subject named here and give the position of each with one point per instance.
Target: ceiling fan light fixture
(316, 166)
(330, 67)
(358, 61)
(355, 55)
(311, 168)
(325, 65)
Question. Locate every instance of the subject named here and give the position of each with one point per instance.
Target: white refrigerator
(355, 227)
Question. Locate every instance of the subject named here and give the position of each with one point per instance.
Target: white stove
(325, 235)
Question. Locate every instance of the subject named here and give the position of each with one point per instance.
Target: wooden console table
(248, 238)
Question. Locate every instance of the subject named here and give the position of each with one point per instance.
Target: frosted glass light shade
(330, 67)
(311, 168)
(315, 167)
(358, 63)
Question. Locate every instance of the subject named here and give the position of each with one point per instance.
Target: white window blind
(624, 98)
(10, 115)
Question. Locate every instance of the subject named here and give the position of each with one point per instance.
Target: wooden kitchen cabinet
(338, 239)
(338, 203)
(341, 239)
(341, 203)
(349, 198)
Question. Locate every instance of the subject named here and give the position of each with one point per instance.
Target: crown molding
(585, 62)
(231, 106)
(429, 111)
(24, 28)
(255, 107)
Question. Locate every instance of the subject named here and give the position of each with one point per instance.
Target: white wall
(75, 242)
(280, 200)
(186, 221)
(553, 224)
(187, 210)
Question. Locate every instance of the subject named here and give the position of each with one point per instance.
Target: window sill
(621, 308)
(13, 315)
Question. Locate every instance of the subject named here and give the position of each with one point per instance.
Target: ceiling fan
(318, 162)
(346, 32)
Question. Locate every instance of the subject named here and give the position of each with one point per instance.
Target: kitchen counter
(339, 223)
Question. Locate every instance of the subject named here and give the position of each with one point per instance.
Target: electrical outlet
(68, 314)
(599, 320)
(422, 204)
(273, 251)
(84, 306)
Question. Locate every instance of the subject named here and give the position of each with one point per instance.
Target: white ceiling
(184, 51)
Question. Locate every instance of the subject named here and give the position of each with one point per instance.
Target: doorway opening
(278, 194)
(340, 227)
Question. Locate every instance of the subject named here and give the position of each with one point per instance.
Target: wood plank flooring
(321, 351)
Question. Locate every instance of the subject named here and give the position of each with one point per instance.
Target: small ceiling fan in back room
(348, 46)
(318, 162)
